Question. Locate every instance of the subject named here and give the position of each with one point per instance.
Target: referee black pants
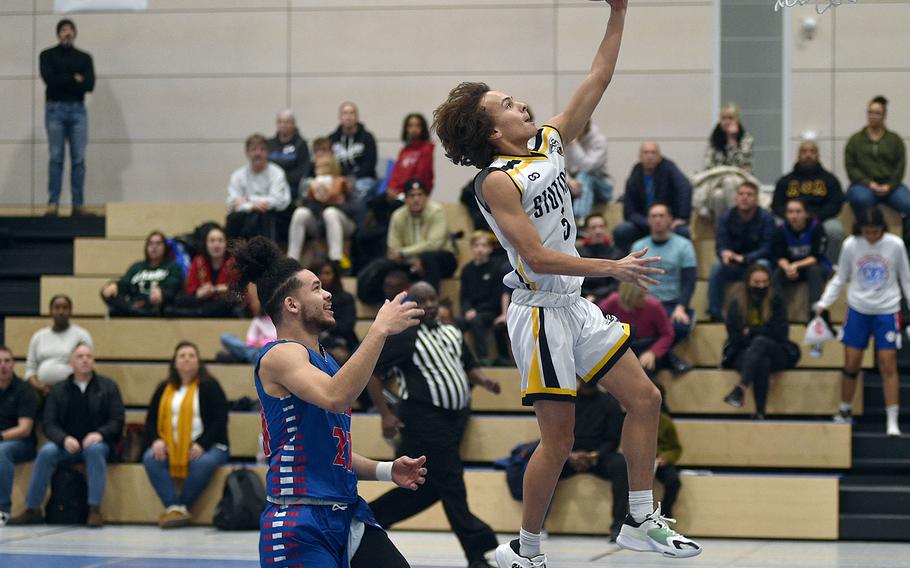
(436, 433)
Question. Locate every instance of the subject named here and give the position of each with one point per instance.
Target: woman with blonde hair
(186, 430)
(652, 332)
(757, 344)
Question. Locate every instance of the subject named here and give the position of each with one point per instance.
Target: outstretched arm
(571, 121)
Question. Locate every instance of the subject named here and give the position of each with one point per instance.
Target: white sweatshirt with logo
(873, 271)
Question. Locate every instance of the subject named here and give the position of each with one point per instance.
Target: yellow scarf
(178, 450)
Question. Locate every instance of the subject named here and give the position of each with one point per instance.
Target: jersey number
(343, 458)
(566, 229)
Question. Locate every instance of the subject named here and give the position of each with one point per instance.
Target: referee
(436, 372)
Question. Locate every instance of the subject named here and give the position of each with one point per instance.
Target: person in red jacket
(652, 332)
(416, 158)
(207, 292)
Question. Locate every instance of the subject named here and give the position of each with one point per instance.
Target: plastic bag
(818, 332)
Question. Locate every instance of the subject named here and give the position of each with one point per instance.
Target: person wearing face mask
(757, 345)
(872, 264)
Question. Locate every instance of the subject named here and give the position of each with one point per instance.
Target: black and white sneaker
(655, 535)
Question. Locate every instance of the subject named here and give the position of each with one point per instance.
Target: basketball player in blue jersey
(556, 334)
(314, 516)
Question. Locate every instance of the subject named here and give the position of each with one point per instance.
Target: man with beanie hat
(68, 74)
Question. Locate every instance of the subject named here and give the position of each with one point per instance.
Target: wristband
(384, 471)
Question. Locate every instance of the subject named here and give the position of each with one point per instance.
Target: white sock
(891, 414)
(641, 504)
(528, 543)
(846, 407)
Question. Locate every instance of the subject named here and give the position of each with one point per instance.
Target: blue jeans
(593, 188)
(11, 453)
(238, 348)
(51, 455)
(66, 121)
(862, 197)
(200, 472)
(681, 330)
(363, 191)
(720, 276)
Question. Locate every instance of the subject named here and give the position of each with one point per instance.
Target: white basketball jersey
(541, 180)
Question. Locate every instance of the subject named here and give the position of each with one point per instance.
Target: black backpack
(515, 466)
(242, 502)
(68, 504)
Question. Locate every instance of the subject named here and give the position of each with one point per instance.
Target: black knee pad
(850, 375)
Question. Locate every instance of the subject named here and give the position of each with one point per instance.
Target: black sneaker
(735, 398)
(677, 364)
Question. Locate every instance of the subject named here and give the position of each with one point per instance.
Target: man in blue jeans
(68, 74)
(83, 420)
(18, 408)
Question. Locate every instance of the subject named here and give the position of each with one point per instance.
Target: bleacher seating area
(793, 460)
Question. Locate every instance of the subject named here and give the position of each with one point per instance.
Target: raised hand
(408, 473)
(397, 315)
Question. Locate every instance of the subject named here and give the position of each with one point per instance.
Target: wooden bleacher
(791, 507)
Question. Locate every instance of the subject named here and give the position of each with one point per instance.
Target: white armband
(384, 471)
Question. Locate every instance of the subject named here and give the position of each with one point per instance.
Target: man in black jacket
(355, 150)
(288, 149)
(18, 410)
(68, 74)
(653, 179)
(83, 420)
(819, 190)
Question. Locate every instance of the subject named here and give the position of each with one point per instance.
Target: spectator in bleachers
(652, 332)
(677, 283)
(431, 417)
(728, 162)
(668, 452)
(799, 252)
(149, 285)
(744, 235)
(257, 193)
(83, 420)
(415, 160)
(597, 243)
(186, 431)
(50, 348)
(876, 159)
(326, 198)
(481, 285)
(598, 434)
(18, 412)
(68, 74)
(322, 146)
(874, 262)
(818, 189)
(757, 344)
(210, 281)
(355, 150)
(288, 149)
(586, 162)
(341, 339)
(653, 179)
(418, 242)
(446, 312)
(261, 332)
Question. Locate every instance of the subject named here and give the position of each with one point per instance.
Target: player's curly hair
(261, 262)
(464, 127)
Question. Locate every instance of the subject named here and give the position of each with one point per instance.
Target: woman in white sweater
(874, 262)
(50, 347)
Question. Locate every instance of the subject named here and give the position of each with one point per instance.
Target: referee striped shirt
(432, 366)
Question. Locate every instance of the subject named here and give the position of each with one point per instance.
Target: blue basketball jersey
(308, 448)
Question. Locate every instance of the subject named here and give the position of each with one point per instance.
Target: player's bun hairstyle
(871, 217)
(464, 127)
(261, 262)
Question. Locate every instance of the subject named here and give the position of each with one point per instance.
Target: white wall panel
(16, 47)
(856, 88)
(422, 41)
(873, 36)
(655, 38)
(182, 43)
(15, 173)
(811, 95)
(16, 109)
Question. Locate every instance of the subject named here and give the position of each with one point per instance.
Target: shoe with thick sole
(507, 557)
(655, 535)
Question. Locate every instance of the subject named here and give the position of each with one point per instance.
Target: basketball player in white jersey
(556, 334)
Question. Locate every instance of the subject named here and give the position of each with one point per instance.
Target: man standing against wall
(68, 74)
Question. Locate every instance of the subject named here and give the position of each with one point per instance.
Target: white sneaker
(892, 430)
(4, 517)
(843, 417)
(655, 535)
(507, 557)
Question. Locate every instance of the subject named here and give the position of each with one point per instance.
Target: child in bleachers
(260, 332)
(481, 285)
(799, 252)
